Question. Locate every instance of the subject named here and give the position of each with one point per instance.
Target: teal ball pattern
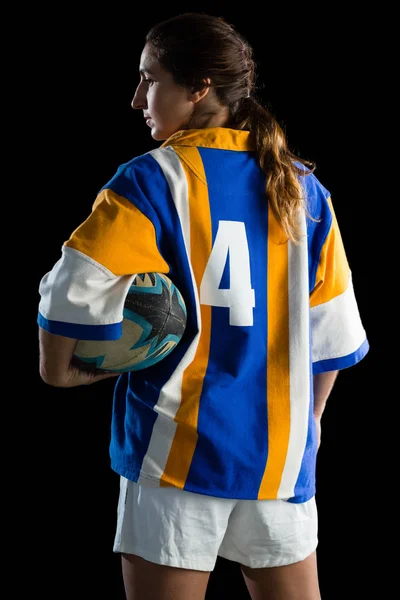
(154, 321)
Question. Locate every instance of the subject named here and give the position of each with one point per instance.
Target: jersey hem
(154, 482)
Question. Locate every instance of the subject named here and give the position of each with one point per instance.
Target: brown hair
(197, 46)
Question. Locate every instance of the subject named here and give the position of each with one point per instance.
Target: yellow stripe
(119, 237)
(333, 273)
(278, 376)
(185, 439)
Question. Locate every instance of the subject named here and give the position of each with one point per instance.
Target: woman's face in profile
(167, 107)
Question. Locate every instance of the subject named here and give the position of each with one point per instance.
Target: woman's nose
(139, 100)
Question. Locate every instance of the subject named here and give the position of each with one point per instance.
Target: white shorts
(170, 526)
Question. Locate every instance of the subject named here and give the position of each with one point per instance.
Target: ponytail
(284, 191)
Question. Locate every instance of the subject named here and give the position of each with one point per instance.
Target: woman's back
(229, 413)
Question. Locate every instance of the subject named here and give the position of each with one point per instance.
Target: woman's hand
(55, 362)
(75, 377)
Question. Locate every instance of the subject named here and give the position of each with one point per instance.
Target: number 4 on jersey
(231, 240)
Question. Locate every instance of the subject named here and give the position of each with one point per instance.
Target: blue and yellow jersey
(229, 413)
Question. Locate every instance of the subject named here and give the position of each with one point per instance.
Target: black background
(81, 73)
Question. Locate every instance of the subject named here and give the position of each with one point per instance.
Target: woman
(215, 445)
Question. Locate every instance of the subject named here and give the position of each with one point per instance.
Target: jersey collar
(222, 138)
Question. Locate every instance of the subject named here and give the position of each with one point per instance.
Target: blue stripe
(317, 231)
(305, 486)
(342, 362)
(81, 332)
(237, 416)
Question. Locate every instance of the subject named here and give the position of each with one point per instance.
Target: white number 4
(230, 240)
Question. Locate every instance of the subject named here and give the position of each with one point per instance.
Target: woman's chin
(161, 135)
(158, 136)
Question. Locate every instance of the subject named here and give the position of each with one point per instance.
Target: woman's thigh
(144, 580)
(297, 581)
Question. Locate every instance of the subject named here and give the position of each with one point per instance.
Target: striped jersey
(229, 413)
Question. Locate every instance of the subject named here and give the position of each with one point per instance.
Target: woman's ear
(200, 90)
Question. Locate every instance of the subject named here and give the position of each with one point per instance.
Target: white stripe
(336, 326)
(299, 363)
(169, 399)
(81, 291)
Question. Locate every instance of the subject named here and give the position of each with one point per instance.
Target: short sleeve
(338, 337)
(83, 295)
